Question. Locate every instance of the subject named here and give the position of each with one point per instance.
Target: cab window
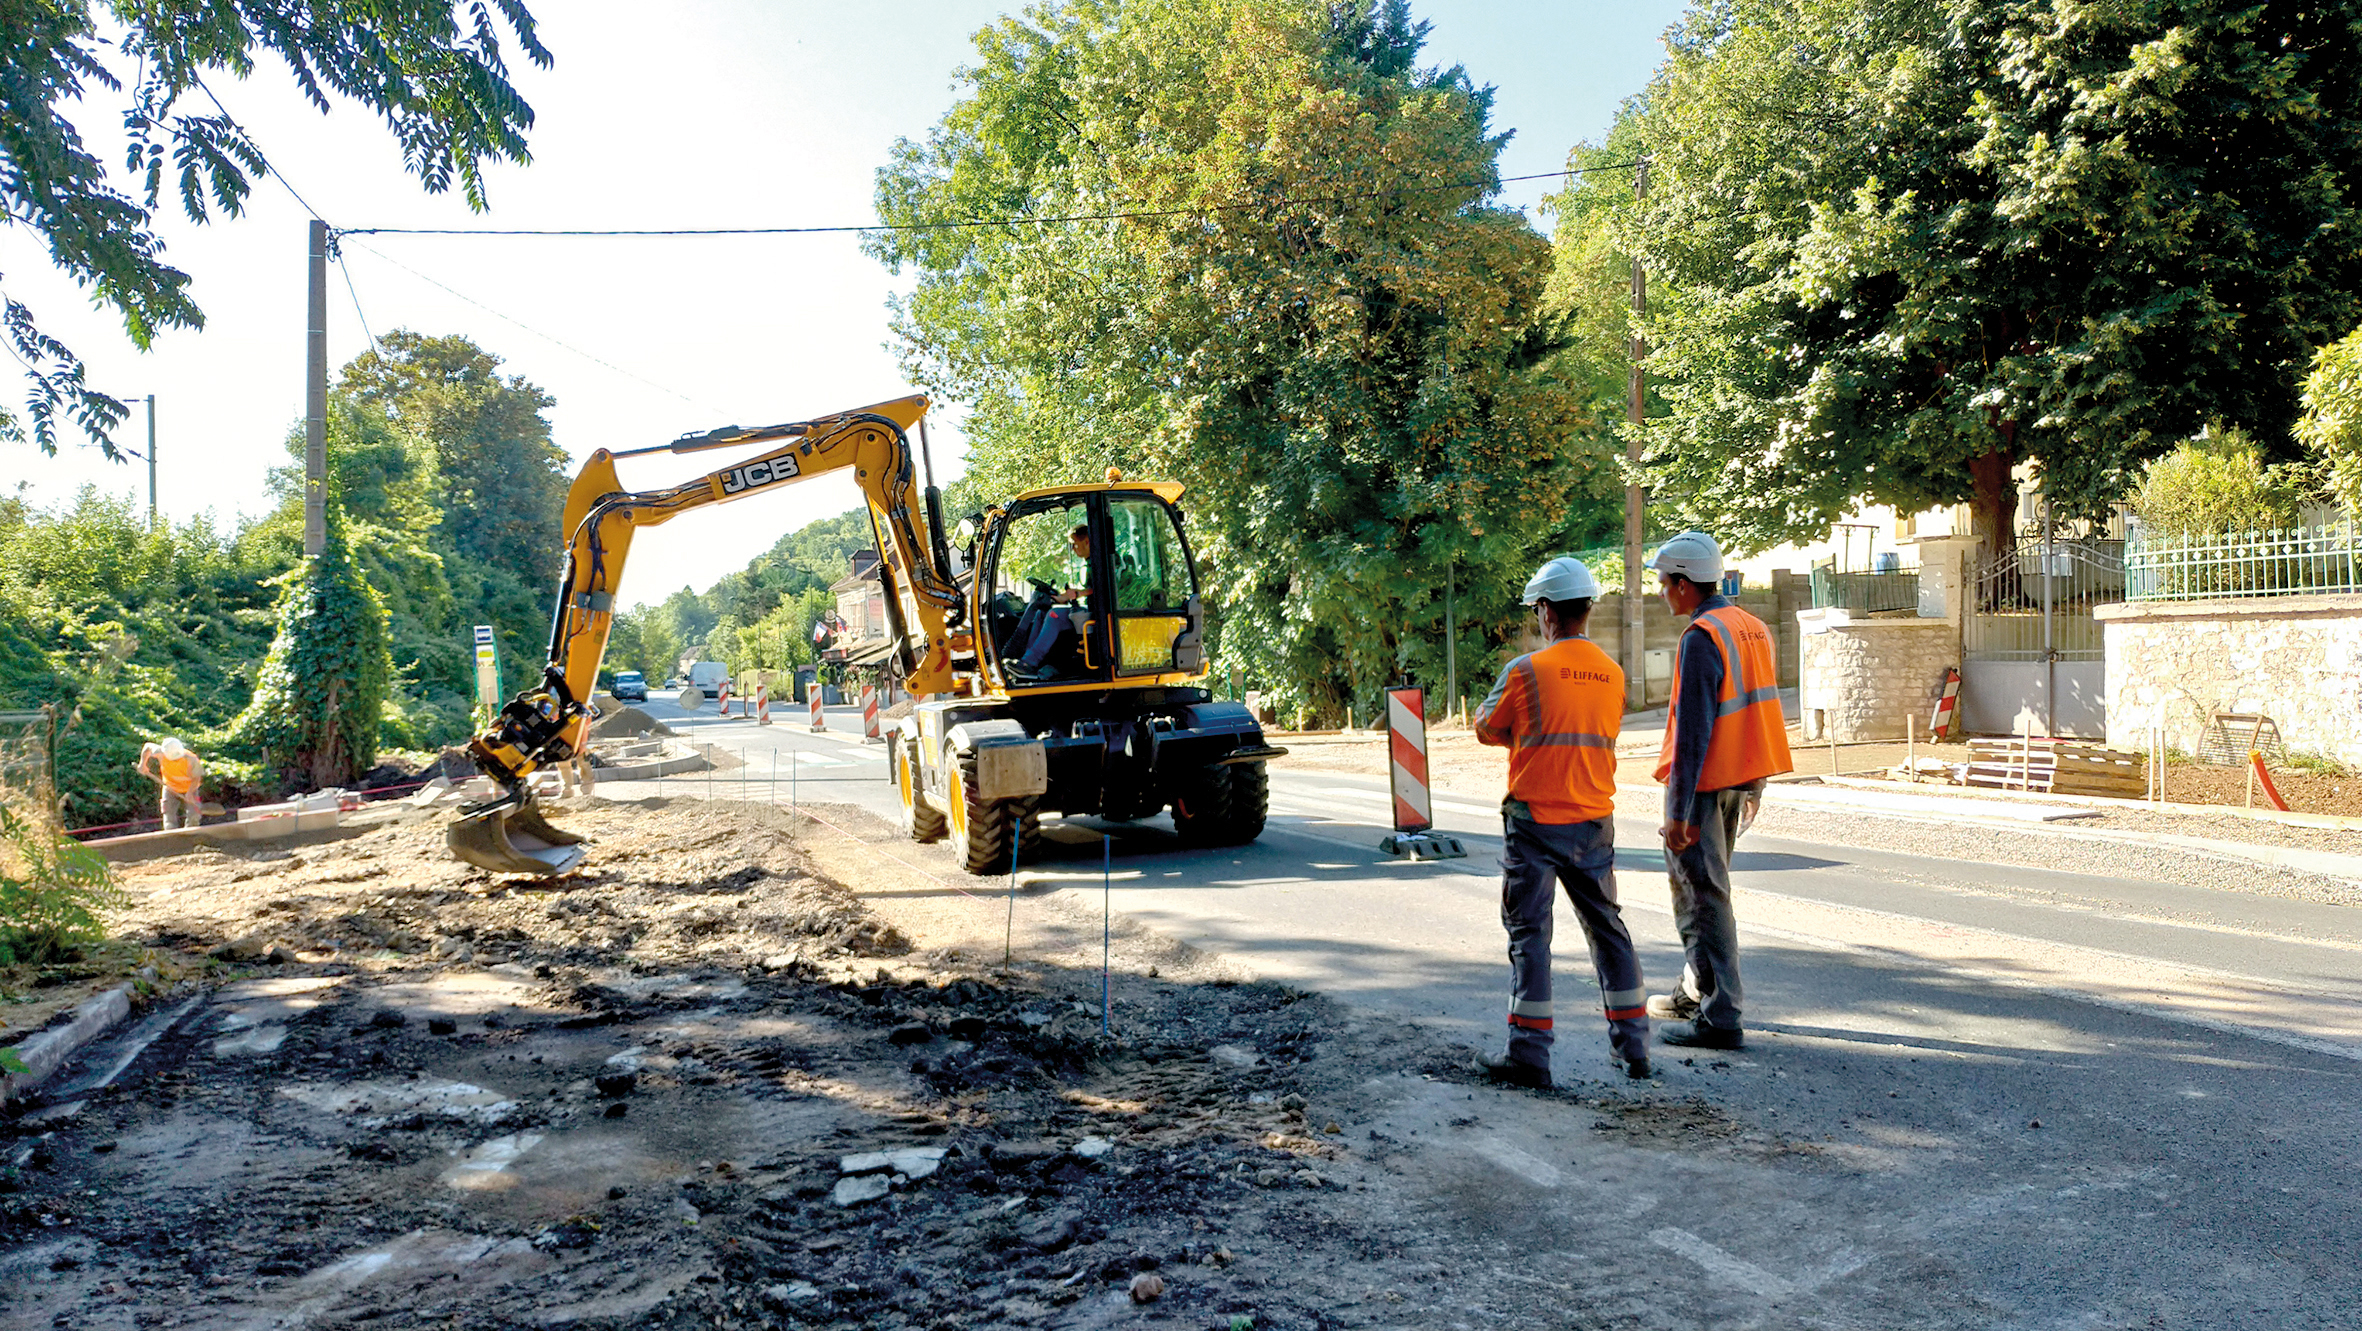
(1152, 585)
(1151, 573)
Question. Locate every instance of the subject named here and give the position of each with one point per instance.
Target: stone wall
(1862, 677)
(2296, 659)
(1661, 629)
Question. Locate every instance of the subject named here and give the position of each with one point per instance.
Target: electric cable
(454, 291)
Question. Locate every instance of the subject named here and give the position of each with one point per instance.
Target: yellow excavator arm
(547, 723)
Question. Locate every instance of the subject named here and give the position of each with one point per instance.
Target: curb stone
(47, 1049)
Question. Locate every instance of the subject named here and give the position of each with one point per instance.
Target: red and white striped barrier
(869, 711)
(819, 722)
(1939, 726)
(763, 703)
(725, 711)
(1414, 812)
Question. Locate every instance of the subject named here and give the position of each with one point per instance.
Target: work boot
(1635, 1066)
(1501, 1069)
(1675, 1006)
(1699, 1035)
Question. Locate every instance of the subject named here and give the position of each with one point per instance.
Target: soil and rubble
(702, 1083)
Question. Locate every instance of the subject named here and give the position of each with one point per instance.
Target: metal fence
(2160, 566)
(1889, 584)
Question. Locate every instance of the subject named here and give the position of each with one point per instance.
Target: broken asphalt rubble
(698, 1084)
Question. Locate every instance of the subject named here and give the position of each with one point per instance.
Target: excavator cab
(1089, 587)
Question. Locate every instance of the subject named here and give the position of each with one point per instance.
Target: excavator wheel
(980, 829)
(921, 822)
(515, 839)
(1201, 807)
(1250, 801)
(1222, 805)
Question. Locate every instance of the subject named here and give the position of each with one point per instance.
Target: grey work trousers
(1702, 909)
(1535, 859)
(175, 810)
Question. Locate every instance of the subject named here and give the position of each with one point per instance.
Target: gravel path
(2063, 849)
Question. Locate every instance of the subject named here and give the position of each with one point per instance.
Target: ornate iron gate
(2032, 653)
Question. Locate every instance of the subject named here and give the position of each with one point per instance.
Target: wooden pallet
(2057, 767)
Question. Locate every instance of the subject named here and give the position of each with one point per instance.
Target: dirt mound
(628, 723)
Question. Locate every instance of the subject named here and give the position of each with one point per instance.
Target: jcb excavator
(1057, 662)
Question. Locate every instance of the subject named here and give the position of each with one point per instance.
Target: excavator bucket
(514, 839)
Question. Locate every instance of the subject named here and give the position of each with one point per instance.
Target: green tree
(499, 480)
(1912, 246)
(320, 697)
(2332, 423)
(435, 72)
(1323, 328)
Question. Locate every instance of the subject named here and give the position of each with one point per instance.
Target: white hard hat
(1693, 555)
(174, 749)
(1562, 579)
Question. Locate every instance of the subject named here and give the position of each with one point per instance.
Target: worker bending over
(178, 773)
(1723, 735)
(1557, 711)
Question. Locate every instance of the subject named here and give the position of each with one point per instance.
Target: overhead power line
(967, 223)
(461, 295)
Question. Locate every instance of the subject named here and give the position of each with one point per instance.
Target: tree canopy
(1910, 246)
(436, 73)
(1321, 324)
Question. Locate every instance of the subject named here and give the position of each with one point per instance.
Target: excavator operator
(1050, 618)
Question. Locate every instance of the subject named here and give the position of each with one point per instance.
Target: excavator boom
(548, 723)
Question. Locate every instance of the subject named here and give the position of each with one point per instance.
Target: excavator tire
(1222, 805)
(980, 829)
(921, 821)
(1250, 801)
(1202, 807)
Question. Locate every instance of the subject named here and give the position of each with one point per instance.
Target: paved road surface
(2192, 1058)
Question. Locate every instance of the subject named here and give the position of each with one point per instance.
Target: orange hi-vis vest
(1558, 710)
(179, 776)
(1750, 738)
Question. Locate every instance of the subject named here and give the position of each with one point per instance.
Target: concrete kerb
(47, 1049)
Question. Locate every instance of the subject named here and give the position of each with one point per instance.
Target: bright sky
(703, 113)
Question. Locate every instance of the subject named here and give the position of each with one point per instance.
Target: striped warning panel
(1406, 726)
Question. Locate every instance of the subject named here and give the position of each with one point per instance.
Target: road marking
(1533, 1169)
(1749, 1276)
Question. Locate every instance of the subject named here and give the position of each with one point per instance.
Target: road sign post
(487, 670)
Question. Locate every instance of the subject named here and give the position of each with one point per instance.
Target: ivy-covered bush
(318, 701)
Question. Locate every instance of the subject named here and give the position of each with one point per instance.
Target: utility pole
(1451, 642)
(1635, 687)
(151, 464)
(315, 401)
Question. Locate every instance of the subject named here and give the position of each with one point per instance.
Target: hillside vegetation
(446, 491)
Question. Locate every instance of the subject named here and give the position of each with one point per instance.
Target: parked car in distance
(629, 686)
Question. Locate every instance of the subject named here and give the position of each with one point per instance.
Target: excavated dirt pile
(702, 1084)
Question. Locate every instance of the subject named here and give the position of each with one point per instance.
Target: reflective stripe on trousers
(1536, 858)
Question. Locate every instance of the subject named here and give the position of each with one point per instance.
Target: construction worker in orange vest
(178, 772)
(1724, 734)
(1557, 711)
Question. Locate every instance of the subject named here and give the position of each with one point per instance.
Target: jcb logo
(737, 480)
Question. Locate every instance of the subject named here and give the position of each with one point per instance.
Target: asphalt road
(2008, 1097)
